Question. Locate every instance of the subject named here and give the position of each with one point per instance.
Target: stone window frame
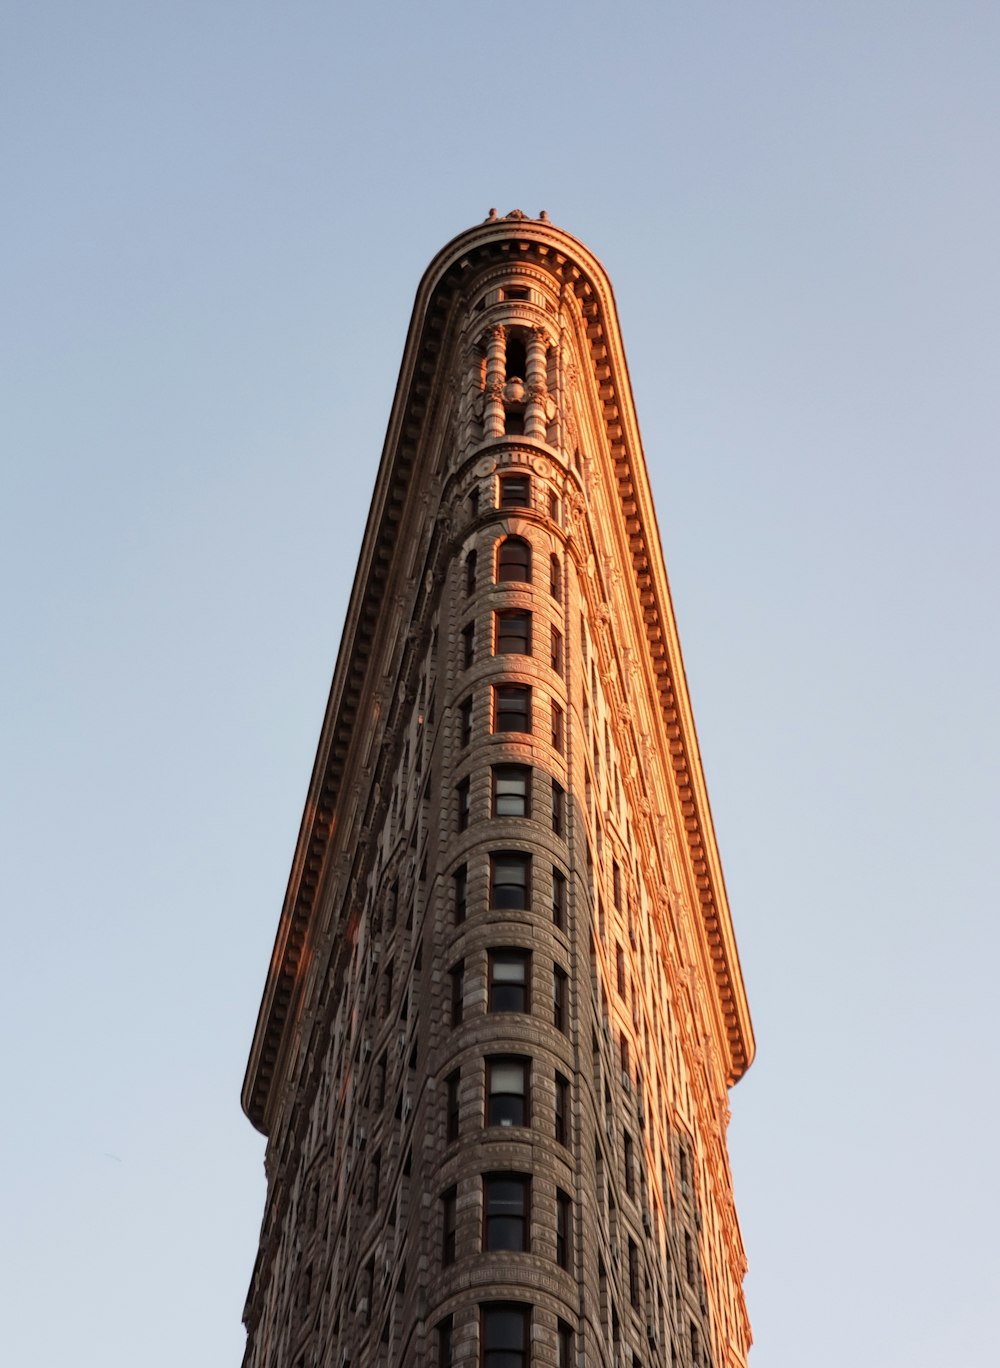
(503, 987)
(506, 717)
(512, 631)
(496, 1342)
(501, 798)
(495, 1063)
(506, 1208)
(513, 553)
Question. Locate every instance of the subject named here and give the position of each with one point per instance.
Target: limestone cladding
(505, 1005)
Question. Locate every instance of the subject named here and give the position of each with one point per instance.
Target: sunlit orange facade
(504, 1007)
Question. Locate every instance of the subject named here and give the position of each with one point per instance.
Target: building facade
(504, 1006)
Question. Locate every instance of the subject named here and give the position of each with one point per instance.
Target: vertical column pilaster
(535, 383)
(496, 374)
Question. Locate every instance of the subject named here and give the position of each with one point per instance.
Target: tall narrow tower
(504, 1005)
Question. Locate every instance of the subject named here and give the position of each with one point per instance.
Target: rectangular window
(449, 1219)
(629, 1166)
(616, 883)
(558, 898)
(470, 573)
(512, 708)
(555, 576)
(512, 632)
(515, 491)
(468, 644)
(445, 1332)
(564, 1229)
(511, 791)
(565, 1345)
(452, 1114)
(558, 806)
(462, 803)
(507, 1092)
(557, 727)
(509, 980)
(556, 651)
(633, 1272)
(457, 976)
(505, 1331)
(461, 880)
(465, 722)
(562, 1110)
(560, 994)
(510, 880)
(620, 970)
(506, 1211)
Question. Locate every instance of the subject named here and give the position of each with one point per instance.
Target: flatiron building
(504, 1007)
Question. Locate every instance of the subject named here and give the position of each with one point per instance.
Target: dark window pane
(512, 708)
(505, 1203)
(510, 876)
(511, 791)
(505, 1336)
(558, 898)
(515, 491)
(514, 561)
(510, 978)
(451, 1128)
(512, 632)
(507, 1092)
(562, 1110)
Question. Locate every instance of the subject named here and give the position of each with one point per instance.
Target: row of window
(507, 1218)
(510, 886)
(508, 1097)
(512, 712)
(504, 1338)
(510, 796)
(509, 986)
(512, 635)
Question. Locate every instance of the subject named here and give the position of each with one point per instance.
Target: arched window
(514, 561)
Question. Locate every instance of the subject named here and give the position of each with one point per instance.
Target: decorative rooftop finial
(491, 216)
(543, 214)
